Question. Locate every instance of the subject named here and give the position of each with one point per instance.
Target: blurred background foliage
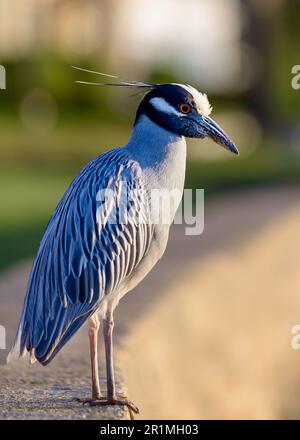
(240, 52)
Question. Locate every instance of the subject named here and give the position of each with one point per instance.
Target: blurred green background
(239, 52)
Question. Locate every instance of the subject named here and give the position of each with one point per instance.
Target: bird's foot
(88, 401)
(121, 401)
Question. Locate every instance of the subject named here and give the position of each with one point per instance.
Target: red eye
(185, 108)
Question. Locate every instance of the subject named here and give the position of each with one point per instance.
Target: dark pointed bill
(215, 132)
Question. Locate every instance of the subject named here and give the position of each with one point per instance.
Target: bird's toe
(88, 401)
(121, 401)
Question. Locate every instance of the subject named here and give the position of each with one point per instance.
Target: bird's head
(183, 110)
(178, 108)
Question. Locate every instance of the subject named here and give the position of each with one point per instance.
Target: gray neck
(161, 155)
(152, 145)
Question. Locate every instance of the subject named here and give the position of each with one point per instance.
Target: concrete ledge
(26, 395)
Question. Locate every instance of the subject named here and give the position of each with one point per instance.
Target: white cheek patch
(163, 106)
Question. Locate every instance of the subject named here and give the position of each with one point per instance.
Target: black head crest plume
(121, 83)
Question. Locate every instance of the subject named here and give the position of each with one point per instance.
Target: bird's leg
(112, 398)
(93, 324)
(108, 326)
(93, 337)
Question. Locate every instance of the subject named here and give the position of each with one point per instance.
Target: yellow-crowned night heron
(101, 240)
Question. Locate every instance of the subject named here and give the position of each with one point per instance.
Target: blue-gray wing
(98, 234)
